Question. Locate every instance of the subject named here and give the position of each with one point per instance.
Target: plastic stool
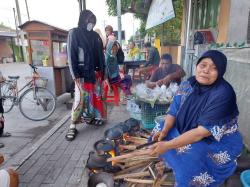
(112, 98)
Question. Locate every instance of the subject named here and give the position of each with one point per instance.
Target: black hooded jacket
(85, 50)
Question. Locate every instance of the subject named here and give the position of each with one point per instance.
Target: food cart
(47, 50)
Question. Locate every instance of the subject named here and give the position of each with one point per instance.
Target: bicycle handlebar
(33, 67)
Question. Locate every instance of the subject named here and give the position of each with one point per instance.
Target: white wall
(238, 21)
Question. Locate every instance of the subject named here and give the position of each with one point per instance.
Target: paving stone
(47, 168)
(85, 178)
(62, 161)
(37, 154)
(29, 175)
(51, 149)
(70, 149)
(37, 180)
(42, 160)
(65, 174)
(52, 175)
(76, 176)
(23, 185)
(57, 154)
(82, 161)
(73, 185)
(50, 141)
(63, 145)
(76, 155)
(47, 185)
(26, 166)
(59, 139)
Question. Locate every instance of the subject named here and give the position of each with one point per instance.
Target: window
(205, 14)
(40, 51)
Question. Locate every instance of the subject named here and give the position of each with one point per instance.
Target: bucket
(149, 113)
(245, 178)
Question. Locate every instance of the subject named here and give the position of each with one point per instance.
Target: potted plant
(45, 61)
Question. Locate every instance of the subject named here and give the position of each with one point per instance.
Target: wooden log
(120, 165)
(130, 155)
(152, 172)
(148, 158)
(128, 147)
(141, 158)
(137, 138)
(167, 183)
(158, 182)
(132, 168)
(147, 181)
(137, 159)
(134, 163)
(133, 175)
(141, 181)
(144, 169)
(143, 135)
(137, 142)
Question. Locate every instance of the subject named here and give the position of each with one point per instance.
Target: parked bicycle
(35, 103)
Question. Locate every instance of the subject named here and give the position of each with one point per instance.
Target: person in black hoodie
(86, 62)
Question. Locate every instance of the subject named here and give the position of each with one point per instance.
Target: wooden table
(133, 64)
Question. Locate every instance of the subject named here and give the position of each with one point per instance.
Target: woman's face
(114, 49)
(206, 72)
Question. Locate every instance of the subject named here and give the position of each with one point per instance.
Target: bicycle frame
(29, 96)
(15, 89)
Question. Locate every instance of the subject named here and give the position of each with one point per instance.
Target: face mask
(90, 26)
(107, 33)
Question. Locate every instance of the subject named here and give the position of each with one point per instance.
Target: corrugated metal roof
(7, 34)
(43, 23)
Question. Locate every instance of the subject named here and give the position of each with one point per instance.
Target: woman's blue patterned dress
(206, 163)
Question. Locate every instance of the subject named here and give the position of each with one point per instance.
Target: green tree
(169, 32)
(138, 7)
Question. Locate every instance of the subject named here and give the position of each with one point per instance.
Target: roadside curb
(45, 137)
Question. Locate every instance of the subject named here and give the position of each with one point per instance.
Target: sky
(64, 14)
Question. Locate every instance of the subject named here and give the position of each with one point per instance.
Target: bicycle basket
(39, 81)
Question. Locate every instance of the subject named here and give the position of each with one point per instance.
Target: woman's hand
(159, 148)
(159, 136)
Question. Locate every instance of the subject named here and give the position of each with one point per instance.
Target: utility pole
(17, 34)
(186, 64)
(21, 33)
(27, 9)
(82, 5)
(119, 21)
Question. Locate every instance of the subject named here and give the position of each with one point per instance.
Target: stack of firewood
(137, 166)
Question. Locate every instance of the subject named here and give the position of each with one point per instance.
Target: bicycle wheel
(37, 103)
(7, 95)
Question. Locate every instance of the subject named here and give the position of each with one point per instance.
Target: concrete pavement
(60, 163)
(25, 133)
